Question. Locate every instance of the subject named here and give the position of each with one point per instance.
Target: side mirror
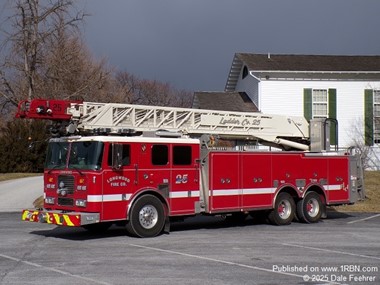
(117, 156)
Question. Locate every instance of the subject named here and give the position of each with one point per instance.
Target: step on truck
(144, 166)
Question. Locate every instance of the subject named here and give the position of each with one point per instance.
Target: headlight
(80, 203)
(49, 200)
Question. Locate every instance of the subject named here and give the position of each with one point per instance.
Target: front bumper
(71, 219)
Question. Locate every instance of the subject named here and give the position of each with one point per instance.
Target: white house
(346, 88)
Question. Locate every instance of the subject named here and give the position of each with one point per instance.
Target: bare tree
(369, 154)
(133, 90)
(70, 71)
(33, 26)
(125, 86)
(45, 57)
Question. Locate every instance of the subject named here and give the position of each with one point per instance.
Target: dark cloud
(191, 43)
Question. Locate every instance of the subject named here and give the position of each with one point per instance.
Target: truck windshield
(82, 155)
(86, 155)
(56, 155)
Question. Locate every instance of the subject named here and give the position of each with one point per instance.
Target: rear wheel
(309, 209)
(284, 210)
(147, 217)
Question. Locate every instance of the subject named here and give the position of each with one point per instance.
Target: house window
(376, 116)
(320, 103)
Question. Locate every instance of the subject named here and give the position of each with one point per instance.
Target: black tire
(310, 208)
(284, 210)
(97, 228)
(146, 217)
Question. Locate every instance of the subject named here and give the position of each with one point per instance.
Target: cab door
(118, 182)
(184, 184)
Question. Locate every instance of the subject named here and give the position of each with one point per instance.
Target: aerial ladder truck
(143, 166)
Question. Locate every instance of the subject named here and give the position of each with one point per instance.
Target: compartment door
(257, 184)
(225, 193)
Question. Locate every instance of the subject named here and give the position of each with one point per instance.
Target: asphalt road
(343, 249)
(18, 194)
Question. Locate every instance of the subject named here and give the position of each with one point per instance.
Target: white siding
(281, 97)
(286, 97)
(249, 85)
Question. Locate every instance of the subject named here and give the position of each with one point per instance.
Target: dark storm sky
(191, 44)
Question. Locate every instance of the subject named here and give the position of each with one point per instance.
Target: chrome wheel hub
(312, 208)
(284, 209)
(148, 216)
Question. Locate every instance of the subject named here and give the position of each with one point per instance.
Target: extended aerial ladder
(76, 117)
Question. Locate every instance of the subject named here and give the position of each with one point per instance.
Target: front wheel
(284, 210)
(147, 217)
(309, 209)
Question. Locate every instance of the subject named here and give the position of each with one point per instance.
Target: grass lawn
(372, 192)
(9, 176)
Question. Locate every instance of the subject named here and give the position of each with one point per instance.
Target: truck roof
(134, 139)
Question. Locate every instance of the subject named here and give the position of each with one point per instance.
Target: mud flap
(167, 225)
(324, 211)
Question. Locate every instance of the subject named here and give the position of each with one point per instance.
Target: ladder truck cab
(142, 166)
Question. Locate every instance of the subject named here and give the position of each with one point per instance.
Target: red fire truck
(142, 166)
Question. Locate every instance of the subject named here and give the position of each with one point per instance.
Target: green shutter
(332, 115)
(307, 104)
(368, 117)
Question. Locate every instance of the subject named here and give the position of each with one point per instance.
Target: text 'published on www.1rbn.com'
(342, 273)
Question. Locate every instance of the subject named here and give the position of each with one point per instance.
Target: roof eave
(316, 72)
(234, 73)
